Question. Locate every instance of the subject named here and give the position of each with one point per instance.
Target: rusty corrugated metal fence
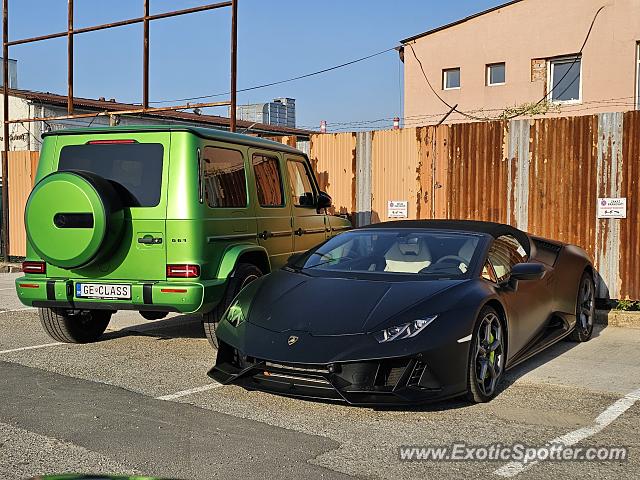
(21, 177)
(542, 175)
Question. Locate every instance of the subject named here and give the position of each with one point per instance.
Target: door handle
(299, 232)
(149, 240)
(264, 235)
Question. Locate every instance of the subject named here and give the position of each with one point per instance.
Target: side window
(223, 178)
(487, 272)
(505, 252)
(268, 181)
(301, 184)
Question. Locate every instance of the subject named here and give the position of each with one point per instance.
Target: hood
(335, 306)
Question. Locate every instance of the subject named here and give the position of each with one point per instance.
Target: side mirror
(528, 271)
(294, 258)
(324, 201)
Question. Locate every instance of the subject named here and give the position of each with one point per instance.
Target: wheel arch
(591, 271)
(236, 254)
(502, 313)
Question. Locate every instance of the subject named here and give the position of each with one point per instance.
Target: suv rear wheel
(244, 274)
(74, 326)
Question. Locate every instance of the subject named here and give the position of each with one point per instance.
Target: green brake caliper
(492, 355)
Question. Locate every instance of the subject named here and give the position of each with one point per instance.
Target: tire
(487, 357)
(147, 315)
(82, 327)
(585, 309)
(244, 274)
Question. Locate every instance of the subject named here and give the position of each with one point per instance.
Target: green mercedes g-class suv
(161, 219)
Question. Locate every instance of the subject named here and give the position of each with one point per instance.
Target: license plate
(98, 290)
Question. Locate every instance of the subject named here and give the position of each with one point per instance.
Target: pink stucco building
(525, 52)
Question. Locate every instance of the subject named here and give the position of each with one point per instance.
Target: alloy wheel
(489, 355)
(586, 305)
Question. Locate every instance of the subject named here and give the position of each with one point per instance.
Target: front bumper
(181, 297)
(399, 381)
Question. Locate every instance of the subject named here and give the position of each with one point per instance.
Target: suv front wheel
(244, 274)
(74, 326)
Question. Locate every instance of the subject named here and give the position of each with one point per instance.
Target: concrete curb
(10, 267)
(618, 318)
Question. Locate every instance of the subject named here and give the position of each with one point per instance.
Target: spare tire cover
(72, 218)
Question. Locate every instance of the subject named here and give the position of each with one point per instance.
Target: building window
(451, 78)
(565, 80)
(496, 74)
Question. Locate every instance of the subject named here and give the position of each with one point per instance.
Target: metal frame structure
(70, 34)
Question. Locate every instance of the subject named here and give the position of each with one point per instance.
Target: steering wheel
(452, 257)
(455, 258)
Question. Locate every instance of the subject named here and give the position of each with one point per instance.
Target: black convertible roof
(491, 228)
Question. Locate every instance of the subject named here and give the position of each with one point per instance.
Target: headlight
(408, 330)
(234, 315)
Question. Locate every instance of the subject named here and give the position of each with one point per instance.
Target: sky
(277, 39)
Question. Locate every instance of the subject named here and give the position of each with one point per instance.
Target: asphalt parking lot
(139, 401)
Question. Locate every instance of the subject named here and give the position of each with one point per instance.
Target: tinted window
(301, 189)
(268, 181)
(135, 169)
(504, 253)
(224, 180)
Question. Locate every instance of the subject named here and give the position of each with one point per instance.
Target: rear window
(135, 169)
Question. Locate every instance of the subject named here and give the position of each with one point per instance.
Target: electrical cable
(516, 114)
(271, 84)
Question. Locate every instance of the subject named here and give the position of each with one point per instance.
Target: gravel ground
(26, 454)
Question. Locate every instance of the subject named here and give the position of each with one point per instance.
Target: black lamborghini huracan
(406, 312)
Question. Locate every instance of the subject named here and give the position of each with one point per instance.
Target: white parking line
(34, 347)
(604, 419)
(17, 310)
(184, 393)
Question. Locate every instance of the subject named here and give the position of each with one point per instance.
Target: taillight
(183, 271)
(34, 267)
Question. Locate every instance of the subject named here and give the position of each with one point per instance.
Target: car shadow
(180, 326)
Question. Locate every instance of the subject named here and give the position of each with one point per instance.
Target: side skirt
(551, 335)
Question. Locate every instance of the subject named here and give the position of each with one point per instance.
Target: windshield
(405, 252)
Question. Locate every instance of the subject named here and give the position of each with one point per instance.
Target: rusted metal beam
(451, 110)
(145, 57)
(70, 57)
(5, 117)
(121, 23)
(108, 113)
(234, 65)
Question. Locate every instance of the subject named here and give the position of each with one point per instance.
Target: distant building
(281, 112)
(27, 135)
(527, 52)
(13, 73)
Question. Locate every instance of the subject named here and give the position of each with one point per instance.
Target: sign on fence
(398, 209)
(612, 208)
